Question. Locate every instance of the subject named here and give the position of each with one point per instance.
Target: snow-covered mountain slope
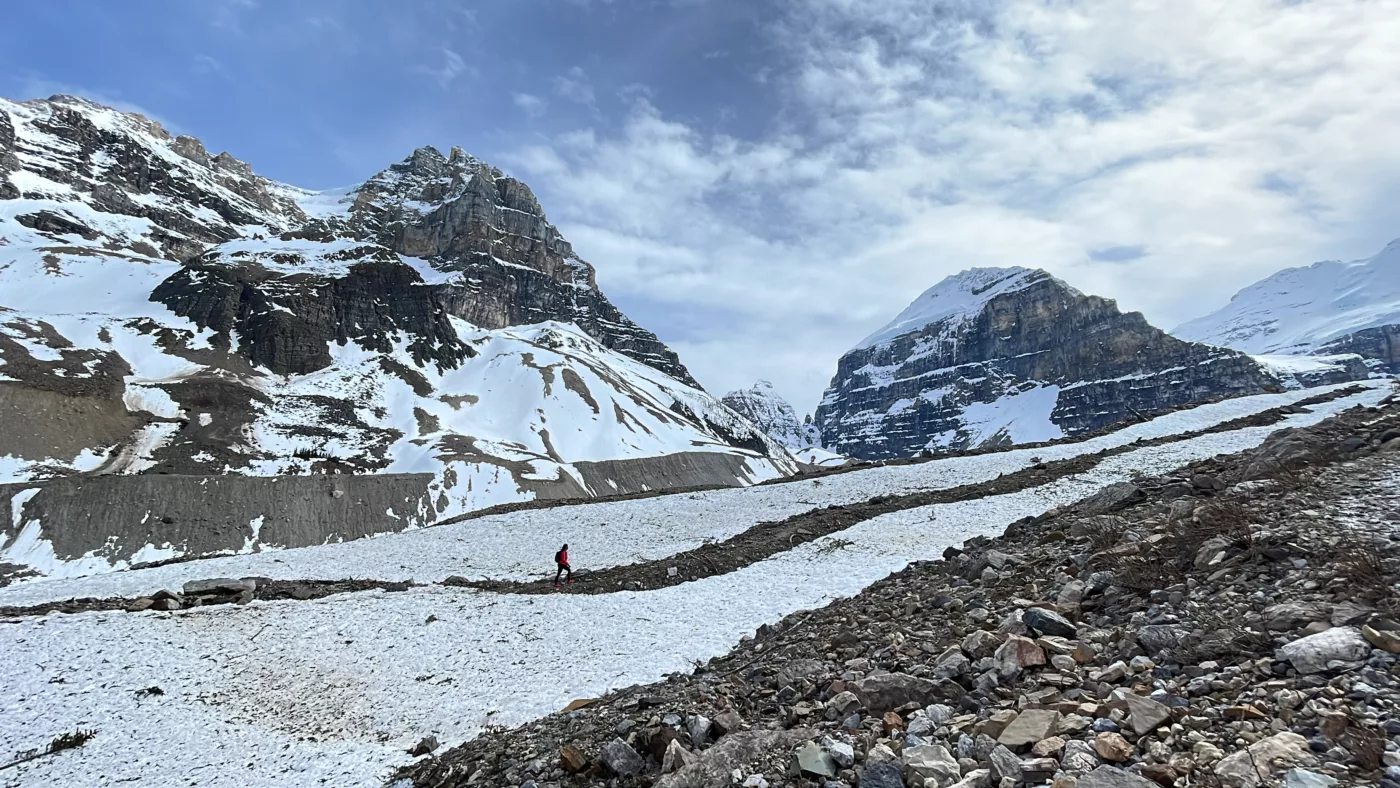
(1327, 307)
(766, 409)
(1012, 355)
(167, 312)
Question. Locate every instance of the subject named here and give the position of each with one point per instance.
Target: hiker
(561, 561)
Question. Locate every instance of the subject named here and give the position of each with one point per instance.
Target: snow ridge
(1298, 310)
(957, 299)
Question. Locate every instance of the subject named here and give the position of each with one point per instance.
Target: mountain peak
(762, 405)
(958, 298)
(1300, 310)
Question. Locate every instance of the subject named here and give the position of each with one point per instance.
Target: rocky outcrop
(1380, 346)
(766, 409)
(996, 356)
(513, 267)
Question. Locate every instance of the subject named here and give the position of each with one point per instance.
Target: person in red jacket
(561, 561)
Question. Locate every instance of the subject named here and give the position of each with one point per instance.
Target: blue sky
(765, 183)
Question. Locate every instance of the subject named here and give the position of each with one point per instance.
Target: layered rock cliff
(1011, 355)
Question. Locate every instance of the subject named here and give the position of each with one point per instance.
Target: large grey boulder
(1113, 777)
(887, 692)
(1332, 648)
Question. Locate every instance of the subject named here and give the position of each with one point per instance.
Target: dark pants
(561, 570)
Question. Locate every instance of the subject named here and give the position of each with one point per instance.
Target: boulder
(1264, 760)
(1115, 496)
(1113, 777)
(1113, 747)
(930, 762)
(1383, 639)
(980, 643)
(890, 691)
(735, 751)
(1017, 654)
(1048, 622)
(1005, 765)
(1302, 778)
(220, 586)
(1313, 653)
(1030, 727)
(675, 758)
(811, 760)
(1146, 714)
(621, 759)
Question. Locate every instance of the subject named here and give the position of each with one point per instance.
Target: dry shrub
(1365, 745)
(1168, 561)
(1363, 565)
(1224, 639)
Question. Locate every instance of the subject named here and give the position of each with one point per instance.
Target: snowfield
(518, 545)
(334, 691)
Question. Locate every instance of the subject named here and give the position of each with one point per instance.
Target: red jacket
(562, 558)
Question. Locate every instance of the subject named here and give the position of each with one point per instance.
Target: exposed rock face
(1379, 345)
(768, 411)
(466, 217)
(994, 356)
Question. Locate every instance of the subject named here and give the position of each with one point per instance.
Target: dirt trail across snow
(751, 546)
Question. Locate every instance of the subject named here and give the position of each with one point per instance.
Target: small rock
(427, 745)
(1079, 756)
(811, 760)
(1046, 748)
(1146, 714)
(881, 774)
(698, 726)
(621, 759)
(1048, 622)
(676, 757)
(1113, 747)
(844, 703)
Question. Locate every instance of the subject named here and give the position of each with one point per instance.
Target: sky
(763, 184)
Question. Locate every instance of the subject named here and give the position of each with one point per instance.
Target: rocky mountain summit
(766, 409)
(1012, 355)
(1327, 308)
(165, 311)
(1229, 624)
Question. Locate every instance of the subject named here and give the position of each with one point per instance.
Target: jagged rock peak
(766, 408)
(997, 356)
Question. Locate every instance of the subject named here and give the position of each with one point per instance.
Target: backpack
(559, 557)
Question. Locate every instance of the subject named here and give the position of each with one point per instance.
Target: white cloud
(446, 72)
(531, 105)
(1216, 142)
(574, 86)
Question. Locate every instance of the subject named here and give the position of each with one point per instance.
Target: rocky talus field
(1229, 623)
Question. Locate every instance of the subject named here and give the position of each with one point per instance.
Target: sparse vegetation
(59, 743)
